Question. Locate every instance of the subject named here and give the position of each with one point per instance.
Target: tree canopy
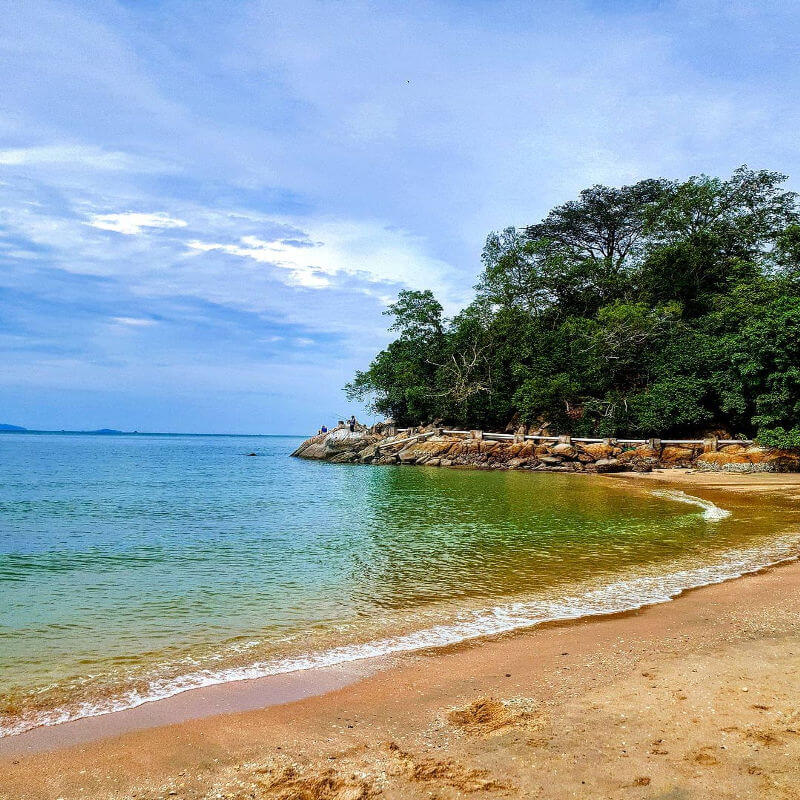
(661, 308)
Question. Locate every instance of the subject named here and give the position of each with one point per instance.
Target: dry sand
(697, 698)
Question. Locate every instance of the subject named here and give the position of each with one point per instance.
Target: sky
(205, 207)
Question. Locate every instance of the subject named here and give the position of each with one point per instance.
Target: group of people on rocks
(352, 422)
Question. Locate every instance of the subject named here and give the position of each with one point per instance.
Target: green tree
(659, 308)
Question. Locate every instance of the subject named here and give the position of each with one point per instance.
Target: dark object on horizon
(252, 454)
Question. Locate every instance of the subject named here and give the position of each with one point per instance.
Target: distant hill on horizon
(19, 429)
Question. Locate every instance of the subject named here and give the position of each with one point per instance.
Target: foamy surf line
(616, 597)
(711, 512)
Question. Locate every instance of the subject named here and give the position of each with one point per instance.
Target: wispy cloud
(72, 157)
(132, 222)
(134, 322)
(276, 253)
(366, 251)
(77, 155)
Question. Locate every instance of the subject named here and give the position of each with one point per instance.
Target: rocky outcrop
(434, 449)
(736, 458)
(340, 445)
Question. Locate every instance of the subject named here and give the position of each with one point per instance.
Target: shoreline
(326, 669)
(321, 688)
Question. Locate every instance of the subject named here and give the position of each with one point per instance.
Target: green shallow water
(134, 567)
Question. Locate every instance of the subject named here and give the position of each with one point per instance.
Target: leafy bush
(780, 438)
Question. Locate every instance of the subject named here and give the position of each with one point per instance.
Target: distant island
(99, 432)
(664, 308)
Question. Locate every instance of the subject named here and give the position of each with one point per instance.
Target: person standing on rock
(352, 423)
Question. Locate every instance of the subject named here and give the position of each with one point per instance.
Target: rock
(677, 456)
(640, 459)
(608, 465)
(328, 446)
(367, 454)
(733, 448)
(435, 446)
(597, 450)
(721, 458)
(315, 450)
(343, 446)
(750, 459)
(345, 457)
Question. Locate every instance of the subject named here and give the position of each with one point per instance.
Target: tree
(708, 234)
(400, 382)
(417, 316)
(513, 273)
(661, 308)
(600, 237)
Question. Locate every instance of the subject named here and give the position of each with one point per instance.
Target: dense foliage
(661, 308)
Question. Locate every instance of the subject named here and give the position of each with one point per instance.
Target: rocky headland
(435, 447)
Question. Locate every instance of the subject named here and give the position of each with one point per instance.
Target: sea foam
(616, 596)
(711, 512)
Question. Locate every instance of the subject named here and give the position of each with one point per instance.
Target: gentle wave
(711, 512)
(619, 596)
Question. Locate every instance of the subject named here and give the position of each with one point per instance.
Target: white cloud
(132, 222)
(134, 322)
(363, 250)
(71, 155)
(276, 253)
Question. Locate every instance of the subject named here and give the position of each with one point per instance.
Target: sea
(136, 567)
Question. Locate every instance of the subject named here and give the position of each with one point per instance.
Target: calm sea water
(133, 567)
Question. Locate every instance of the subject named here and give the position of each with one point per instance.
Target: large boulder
(640, 459)
(598, 450)
(605, 465)
(338, 442)
(672, 456)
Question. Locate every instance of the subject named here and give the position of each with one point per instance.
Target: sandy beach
(696, 698)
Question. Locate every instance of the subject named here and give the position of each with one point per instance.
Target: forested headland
(663, 308)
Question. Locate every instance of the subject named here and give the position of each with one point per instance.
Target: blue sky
(205, 206)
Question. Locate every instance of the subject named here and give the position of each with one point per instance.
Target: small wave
(711, 512)
(616, 597)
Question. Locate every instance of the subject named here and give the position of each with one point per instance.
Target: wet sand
(697, 698)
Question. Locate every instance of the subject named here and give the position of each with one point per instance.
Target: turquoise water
(132, 567)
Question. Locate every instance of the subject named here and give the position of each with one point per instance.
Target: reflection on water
(128, 563)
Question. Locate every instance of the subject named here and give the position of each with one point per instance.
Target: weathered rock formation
(435, 449)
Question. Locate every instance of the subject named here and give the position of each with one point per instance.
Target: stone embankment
(434, 448)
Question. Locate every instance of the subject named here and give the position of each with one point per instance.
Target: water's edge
(619, 596)
(202, 703)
